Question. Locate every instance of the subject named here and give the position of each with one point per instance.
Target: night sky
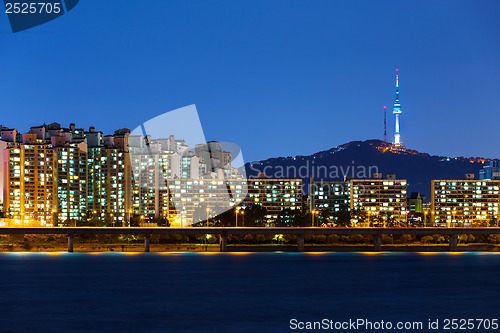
(278, 78)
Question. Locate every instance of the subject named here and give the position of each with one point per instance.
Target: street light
(237, 212)
(206, 236)
(243, 217)
(313, 212)
(425, 219)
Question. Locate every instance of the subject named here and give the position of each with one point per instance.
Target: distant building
(416, 202)
(470, 176)
(465, 202)
(417, 211)
(491, 171)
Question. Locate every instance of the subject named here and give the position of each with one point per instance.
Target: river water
(249, 292)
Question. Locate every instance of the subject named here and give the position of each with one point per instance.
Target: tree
(326, 218)
(226, 219)
(343, 218)
(360, 217)
(303, 220)
(135, 220)
(377, 220)
(255, 216)
(161, 221)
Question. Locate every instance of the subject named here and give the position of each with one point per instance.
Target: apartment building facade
(465, 202)
(387, 197)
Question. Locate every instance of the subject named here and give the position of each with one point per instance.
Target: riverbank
(16, 247)
(249, 240)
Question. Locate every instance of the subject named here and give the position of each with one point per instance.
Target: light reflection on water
(131, 253)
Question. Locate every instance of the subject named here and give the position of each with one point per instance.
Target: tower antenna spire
(396, 110)
(385, 124)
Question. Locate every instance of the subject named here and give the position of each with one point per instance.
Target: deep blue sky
(276, 77)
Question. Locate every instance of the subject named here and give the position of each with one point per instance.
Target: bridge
(223, 233)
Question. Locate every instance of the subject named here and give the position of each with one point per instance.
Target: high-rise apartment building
(157, 162)
(70, 160)
(149, 175)
(29, 185)
(58, 176)
(61, 176)
(109, 184)
(153, 163)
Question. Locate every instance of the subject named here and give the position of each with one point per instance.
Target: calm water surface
(258, 292)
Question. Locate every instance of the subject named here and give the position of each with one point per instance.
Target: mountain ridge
(361, 159)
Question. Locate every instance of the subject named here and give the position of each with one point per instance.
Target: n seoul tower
(396, 110)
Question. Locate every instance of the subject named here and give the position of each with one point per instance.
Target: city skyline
(222, 165)
(53, 175)
(449, 68)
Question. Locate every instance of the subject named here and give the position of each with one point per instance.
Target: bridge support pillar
(300, 243)
(147, 240)
(223, 243)
(453, 243)
(377, 243)
(70, 242)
